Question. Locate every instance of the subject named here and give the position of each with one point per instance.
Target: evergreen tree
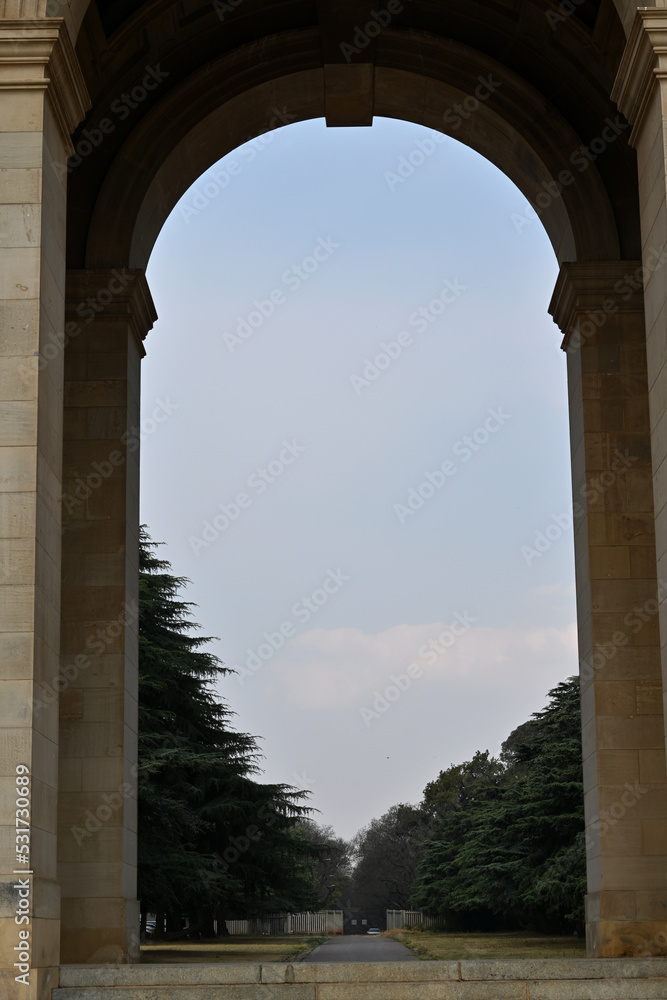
(457, 799)
(212, 839)
(509, 847)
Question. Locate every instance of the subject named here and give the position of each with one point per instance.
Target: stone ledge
(554, 989)
(598, 989)
(564, 968)
(499, 990)
(267, 974)
(360, 972)
(159, 975)
(193, 991)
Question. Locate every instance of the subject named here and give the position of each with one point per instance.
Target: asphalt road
(361, 948)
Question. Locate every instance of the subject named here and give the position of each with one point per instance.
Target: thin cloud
(326, 669)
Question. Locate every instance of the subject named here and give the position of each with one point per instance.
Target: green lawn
(234, 949)
(445, 947)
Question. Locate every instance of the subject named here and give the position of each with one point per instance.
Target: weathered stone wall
(552, 979)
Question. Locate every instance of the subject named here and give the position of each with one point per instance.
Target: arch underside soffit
(74, 11)
(215, 78)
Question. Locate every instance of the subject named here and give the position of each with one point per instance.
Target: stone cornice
(643, 64)
(23, 8)
(594, 285)
(38, 55)
(67, 87)
(119, 295)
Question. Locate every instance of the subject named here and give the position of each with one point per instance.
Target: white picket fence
(408, 918)
(323, 922)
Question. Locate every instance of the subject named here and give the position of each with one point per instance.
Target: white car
(373, 930)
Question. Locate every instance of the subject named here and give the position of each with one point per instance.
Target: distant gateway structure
(110, 110)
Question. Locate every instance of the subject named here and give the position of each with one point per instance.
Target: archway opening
(367, 311)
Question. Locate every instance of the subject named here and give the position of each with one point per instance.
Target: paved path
(361, 948)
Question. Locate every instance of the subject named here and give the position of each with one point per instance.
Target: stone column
(42, 98)
(109, 313)
(599, 308)
(641, 93)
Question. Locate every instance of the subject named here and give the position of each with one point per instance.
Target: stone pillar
(42, 98)
(599, 308)
(109, 313)
(641, 93)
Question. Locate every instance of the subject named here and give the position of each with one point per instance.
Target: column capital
(609, 286)
(37, 54)
(642, 67)
(111, 295)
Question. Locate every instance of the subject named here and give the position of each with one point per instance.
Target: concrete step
(546, 979)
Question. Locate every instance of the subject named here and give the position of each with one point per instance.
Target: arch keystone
(349, 95)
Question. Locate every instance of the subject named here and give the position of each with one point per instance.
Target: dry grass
(444, 947)
(424, 944)
(235, 949)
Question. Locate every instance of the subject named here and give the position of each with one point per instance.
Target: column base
(99, 932)
(626, 924)
(39, 987)
(38, 962)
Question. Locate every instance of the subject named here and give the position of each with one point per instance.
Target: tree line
(495, 844)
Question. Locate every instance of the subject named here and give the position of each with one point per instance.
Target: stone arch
(224, 85)
(515, 129)
(531, 125)
(546, 99)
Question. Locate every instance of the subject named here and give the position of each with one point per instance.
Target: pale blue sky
(386, 250)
